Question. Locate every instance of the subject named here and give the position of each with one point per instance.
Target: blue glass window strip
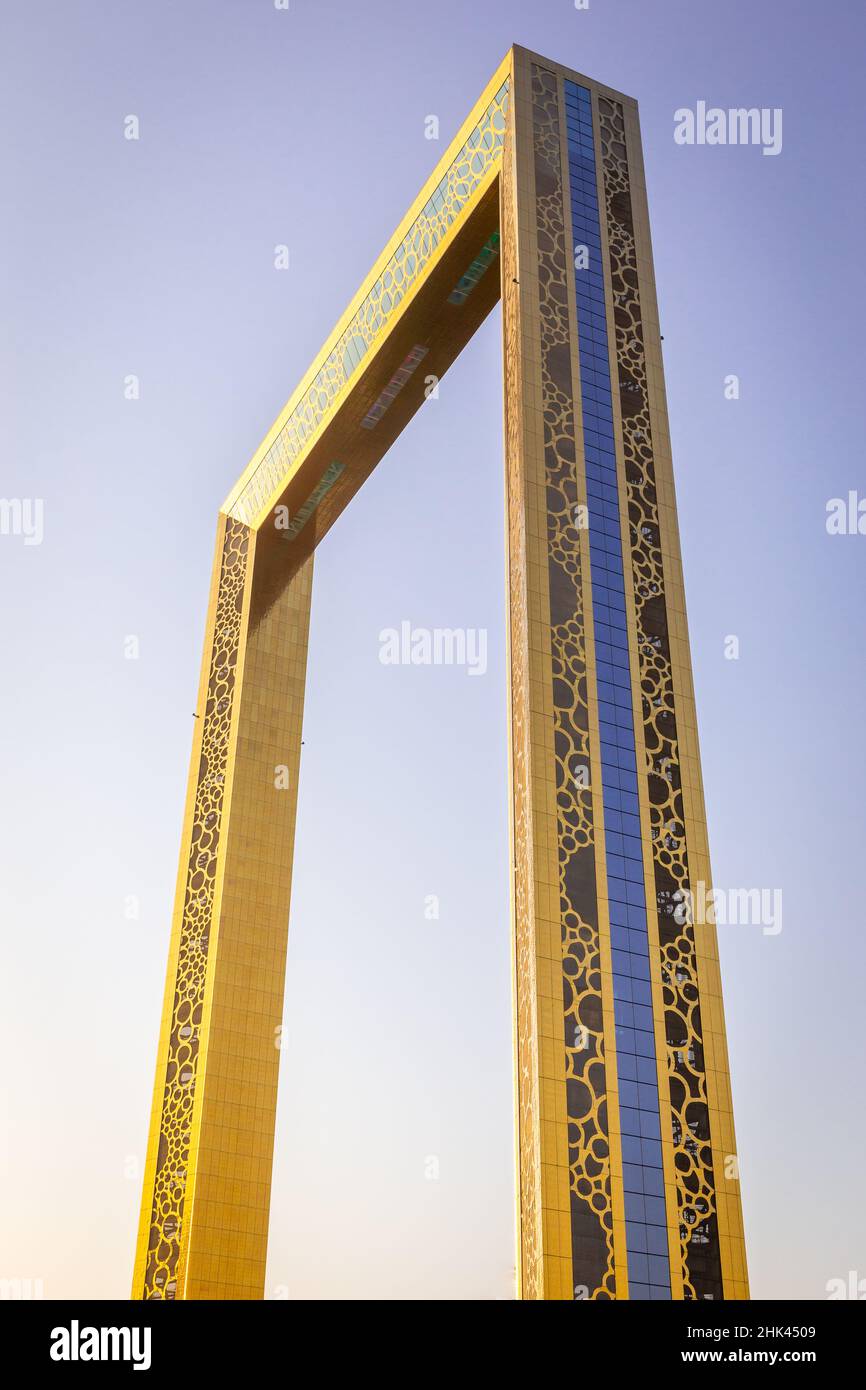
(645, 1216)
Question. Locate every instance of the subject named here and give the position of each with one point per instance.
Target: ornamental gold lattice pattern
(170, 1182)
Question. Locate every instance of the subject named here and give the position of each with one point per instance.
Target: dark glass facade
(646, 1220)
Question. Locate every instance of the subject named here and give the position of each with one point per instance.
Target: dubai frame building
(627, 1180)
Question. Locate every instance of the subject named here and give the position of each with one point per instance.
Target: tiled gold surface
(530, 1265)
(223, 1220)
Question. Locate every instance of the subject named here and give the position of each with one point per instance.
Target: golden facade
(624, 1127)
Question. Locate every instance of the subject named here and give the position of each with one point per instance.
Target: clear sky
(155, 258)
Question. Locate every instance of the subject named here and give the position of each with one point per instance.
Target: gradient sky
(155, 257)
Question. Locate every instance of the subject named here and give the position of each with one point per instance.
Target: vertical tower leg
(626, 1151)
(204, 1214)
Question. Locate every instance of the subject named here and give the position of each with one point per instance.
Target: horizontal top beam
(432, 225)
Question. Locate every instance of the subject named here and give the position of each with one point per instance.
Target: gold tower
(625, 1134)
